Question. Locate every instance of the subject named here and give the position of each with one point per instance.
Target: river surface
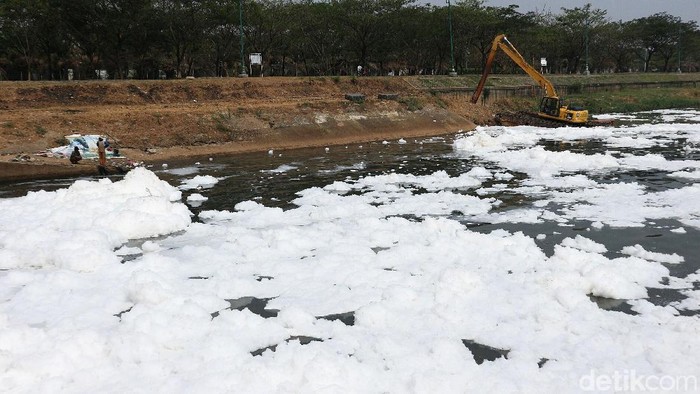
(273, 179)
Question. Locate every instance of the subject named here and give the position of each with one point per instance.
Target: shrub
(412, 103)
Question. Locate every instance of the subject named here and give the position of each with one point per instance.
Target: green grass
(504, 80)
(621, 101)
(222, 121)
(440, 103)
(40, 130)
(632, 100)
(412, 103)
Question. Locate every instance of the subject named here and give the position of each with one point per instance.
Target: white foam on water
(74, 317)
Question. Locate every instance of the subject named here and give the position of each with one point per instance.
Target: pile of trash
(87, 144)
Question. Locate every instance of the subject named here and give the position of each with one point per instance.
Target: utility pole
(587, 72)
(242, 73)
(452, 72)
(679, 49)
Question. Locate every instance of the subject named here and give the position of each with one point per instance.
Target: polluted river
(516, 259)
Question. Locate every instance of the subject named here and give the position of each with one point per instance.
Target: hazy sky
(617, 9)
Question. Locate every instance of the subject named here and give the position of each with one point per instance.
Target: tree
(120, 22)
(413, 41)
(110, 34)
(488, 22)
(656, 34)
(689, 47)
(182, 30)
(615, 46)
(365, 25)
(222, 35)
(82, 29)
(267, 28)
(20, 21)
(43, 38)
(578, 29)
(545, 42)
(316, 41)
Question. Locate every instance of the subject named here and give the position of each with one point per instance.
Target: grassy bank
(631, 100)
(628, 92)
(511, 80)
(622, 101)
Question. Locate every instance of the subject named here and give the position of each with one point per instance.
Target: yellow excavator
(552, 107)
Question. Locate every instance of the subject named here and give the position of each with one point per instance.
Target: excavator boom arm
(502, 43)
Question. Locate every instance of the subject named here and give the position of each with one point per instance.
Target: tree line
(147, 39)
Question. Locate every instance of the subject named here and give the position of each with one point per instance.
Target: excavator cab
(550, 106)
(555, 108)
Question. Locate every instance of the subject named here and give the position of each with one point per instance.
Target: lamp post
(679, 49)
(452, 72)
(587, 72)
(242, 73)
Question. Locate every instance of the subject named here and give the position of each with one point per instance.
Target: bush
(412, 103)
(40, 130)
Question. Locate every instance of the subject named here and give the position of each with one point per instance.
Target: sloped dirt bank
(155, 121)
(152, 121)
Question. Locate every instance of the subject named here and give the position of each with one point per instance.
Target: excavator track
(522, 118)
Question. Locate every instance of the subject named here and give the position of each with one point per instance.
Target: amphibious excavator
(553, 112)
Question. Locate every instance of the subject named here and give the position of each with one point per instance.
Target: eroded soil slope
(153, 120)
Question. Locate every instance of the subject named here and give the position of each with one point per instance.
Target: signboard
(256, 59)
(543, 62)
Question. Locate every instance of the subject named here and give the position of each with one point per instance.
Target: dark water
(274, 179)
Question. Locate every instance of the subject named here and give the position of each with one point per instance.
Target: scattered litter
(23, 157)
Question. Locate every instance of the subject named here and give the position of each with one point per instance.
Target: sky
(112, 285)
(617, 9)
